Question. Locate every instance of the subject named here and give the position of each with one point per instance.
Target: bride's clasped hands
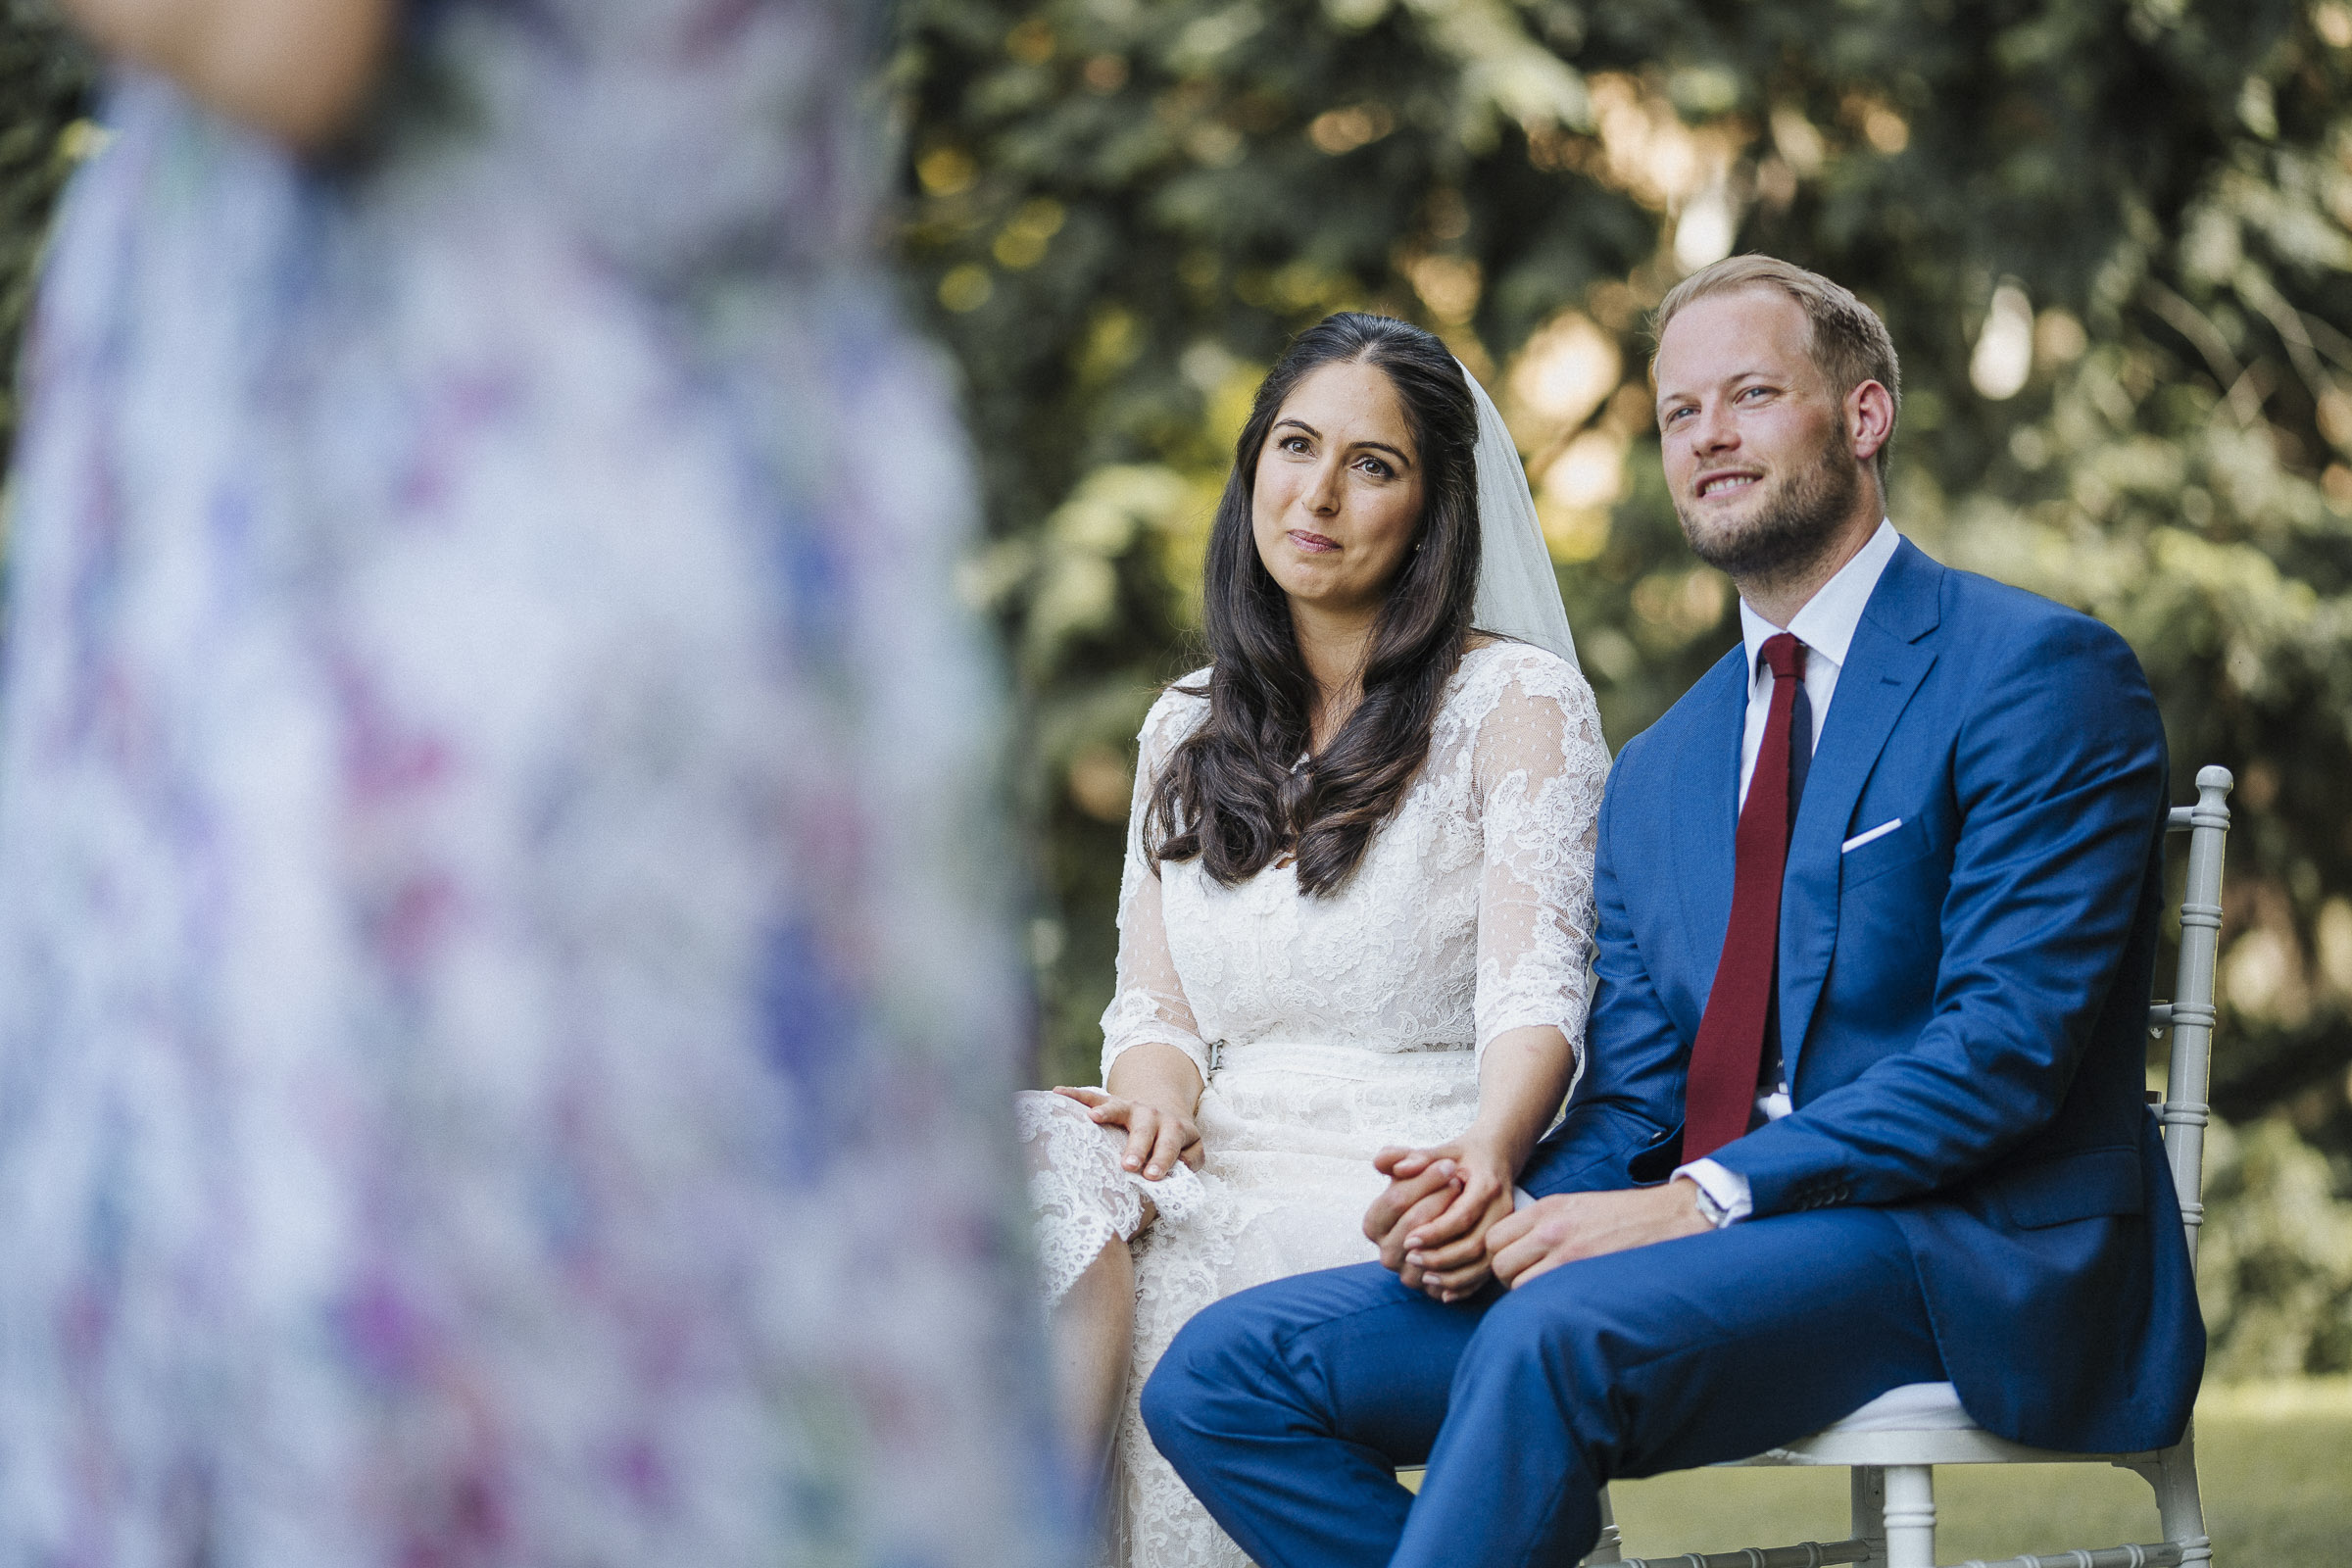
(1446, 1223)
(1434, 1220)
(1431, 1224)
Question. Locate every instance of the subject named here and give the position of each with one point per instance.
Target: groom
(1877, 911)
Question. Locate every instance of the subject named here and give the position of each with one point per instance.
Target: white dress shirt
(1826, 626)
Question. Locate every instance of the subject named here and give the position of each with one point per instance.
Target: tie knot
(1786, 655)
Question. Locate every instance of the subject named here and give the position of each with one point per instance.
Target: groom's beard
(1793, 528)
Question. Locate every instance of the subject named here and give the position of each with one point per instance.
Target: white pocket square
(1860, 839)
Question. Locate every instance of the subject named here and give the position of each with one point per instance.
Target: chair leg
(1609, 1549)
(2173, 1476)
(1910, 1513)
(1868, 1484)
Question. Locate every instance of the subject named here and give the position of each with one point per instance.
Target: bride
(1357, 898)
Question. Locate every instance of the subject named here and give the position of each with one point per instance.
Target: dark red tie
(1721, 1093)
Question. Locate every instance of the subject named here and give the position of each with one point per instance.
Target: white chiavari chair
(1891, 1447)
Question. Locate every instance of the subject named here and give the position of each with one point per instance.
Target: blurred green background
(2113, 241)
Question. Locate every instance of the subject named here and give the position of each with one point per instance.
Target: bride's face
(1338, 500)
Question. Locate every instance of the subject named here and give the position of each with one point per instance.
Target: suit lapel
(1705, 810)
(1892, 651)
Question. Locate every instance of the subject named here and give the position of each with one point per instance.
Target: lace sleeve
(1148, 1004)
(1538, 766)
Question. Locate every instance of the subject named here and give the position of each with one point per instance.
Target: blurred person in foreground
(499, 1062)
(1357, 908)
(1863, 1134)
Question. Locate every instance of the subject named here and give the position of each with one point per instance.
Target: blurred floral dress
(503, 1039)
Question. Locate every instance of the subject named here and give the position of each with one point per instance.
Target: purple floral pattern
(504, 1039)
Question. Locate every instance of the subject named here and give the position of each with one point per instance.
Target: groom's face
(1754, 438)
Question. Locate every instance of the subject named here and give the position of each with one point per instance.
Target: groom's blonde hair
(1849, 342)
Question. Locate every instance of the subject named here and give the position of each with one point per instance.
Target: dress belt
(1329, 1060)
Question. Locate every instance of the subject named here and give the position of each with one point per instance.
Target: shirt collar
(1825, 624)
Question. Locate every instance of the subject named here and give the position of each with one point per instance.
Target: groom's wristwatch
(1714, 1214)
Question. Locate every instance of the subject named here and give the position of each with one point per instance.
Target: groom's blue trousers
(1288, 1407)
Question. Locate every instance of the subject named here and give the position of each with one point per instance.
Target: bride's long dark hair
(1230, 795)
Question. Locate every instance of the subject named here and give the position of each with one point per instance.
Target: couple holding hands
(1840, 972)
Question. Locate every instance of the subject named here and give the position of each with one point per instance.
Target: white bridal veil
(1518, 594)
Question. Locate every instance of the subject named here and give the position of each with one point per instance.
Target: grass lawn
(2276, 1463)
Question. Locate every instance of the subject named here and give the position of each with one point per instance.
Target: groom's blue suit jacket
(1962, 1000)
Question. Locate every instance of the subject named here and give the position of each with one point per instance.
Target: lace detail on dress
(1470, 914)
(1538, 768)
(1148, 1003)
(1344, 1023)
(1081, 1196)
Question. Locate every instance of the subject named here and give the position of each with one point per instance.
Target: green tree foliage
(2113, 240)
(2275, 1266)
(44, 81)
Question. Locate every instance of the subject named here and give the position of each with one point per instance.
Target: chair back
(2189, 1016)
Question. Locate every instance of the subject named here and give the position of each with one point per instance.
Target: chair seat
(1913, 1407)
(1914, 1423)
(1918, 1423)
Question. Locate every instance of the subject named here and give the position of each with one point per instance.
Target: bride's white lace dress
(1340, 1024)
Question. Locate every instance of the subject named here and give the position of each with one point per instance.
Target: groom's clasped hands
(1447, 1221)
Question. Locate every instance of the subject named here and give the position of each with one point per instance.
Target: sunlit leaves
(2112, 241)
